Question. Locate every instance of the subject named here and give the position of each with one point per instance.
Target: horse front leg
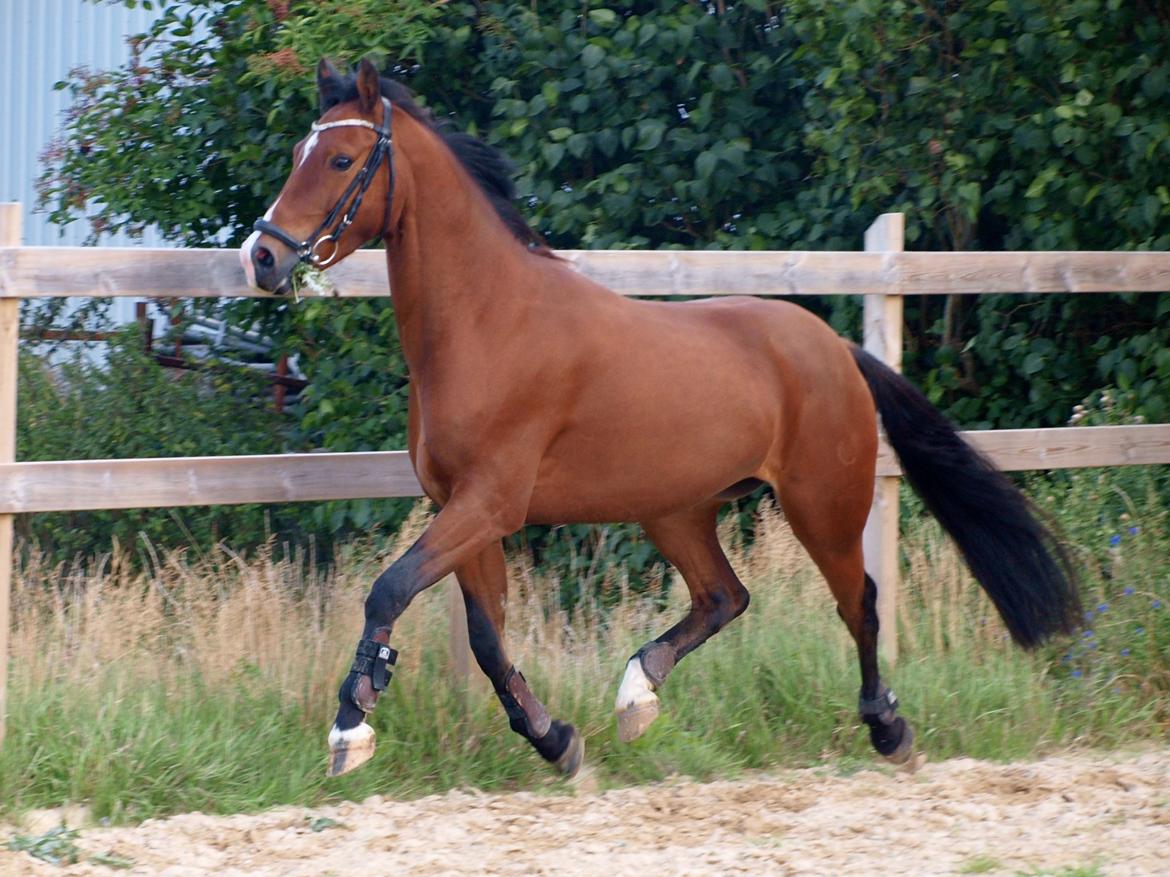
(484, 581)
(458, 533)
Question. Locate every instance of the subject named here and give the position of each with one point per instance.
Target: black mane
(490, 168)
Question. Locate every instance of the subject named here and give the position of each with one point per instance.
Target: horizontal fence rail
(163, 482)
(35, 272)
(1067, 447)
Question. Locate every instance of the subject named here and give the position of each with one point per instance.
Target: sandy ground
(1105, 814)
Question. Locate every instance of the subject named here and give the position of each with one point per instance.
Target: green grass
(209, 684)
(980, 865)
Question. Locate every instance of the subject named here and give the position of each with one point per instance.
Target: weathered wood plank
(27, 272)
(179, 481)
(882, 337)
(1070, 447)
(185, 481)
(727, 272)
(944, 273)
(142, 272)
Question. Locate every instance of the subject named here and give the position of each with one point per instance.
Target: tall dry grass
(208, 681)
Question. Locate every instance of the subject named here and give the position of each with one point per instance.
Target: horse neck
(453, 264)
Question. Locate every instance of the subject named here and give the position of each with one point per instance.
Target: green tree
(1010, 124)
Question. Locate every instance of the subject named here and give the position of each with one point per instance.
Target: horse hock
(637, 706)
(370, 673)
(890, 734)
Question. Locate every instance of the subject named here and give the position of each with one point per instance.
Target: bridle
(306, 250)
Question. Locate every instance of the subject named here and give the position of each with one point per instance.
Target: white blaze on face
(246, 258)
(250, 244)
(309, 145)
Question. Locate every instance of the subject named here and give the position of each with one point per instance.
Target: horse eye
(341, 163)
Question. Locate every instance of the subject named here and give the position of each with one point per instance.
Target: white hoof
(349, 749)
(637, 705)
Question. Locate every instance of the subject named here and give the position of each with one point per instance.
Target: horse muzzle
(267, 265)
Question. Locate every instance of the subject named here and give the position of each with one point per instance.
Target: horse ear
(369, 85)
(329, 83)
(327, 74)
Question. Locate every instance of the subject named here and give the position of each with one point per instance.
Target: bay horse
(539, 396)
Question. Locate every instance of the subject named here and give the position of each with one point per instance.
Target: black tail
(1015, 558)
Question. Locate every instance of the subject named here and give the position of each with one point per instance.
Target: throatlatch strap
(375, 660)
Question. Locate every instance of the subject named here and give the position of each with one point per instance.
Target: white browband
(350, 123)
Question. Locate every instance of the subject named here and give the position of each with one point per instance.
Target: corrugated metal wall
(40, 42)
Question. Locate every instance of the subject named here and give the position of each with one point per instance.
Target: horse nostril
(264, 257)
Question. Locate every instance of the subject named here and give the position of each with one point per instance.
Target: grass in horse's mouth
(310, 280)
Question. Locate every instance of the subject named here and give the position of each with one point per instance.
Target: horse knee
(393, 590)
(723, 606)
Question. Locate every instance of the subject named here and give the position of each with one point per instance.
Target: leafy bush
(1004, 124)
(356, 398)
(1118, 519)
(130, 406)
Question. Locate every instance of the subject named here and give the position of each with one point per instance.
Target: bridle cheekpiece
(307, 250)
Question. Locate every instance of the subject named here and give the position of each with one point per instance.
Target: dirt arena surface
(1100, 813)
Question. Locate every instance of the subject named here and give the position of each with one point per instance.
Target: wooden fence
(883, 273)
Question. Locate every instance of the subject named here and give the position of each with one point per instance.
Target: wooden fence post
(9, 345)
(457, 640)
(882, 335)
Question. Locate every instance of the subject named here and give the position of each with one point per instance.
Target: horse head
(340, 192)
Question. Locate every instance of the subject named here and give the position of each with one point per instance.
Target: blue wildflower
(1139, 629)
(1076, 674)
(1125, 653)
(1103, 608)
(1089, 615)
(1088, 634)
(1133, 531)
(1128, 592)
(1156, 604)
(1114, 540)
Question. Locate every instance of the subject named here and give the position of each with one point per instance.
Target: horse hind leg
(689, 541)
(484, 583)
(829, 524)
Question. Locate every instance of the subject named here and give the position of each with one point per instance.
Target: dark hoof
(904, 758)
(904, 753)
(573, 756)
(895, 741)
